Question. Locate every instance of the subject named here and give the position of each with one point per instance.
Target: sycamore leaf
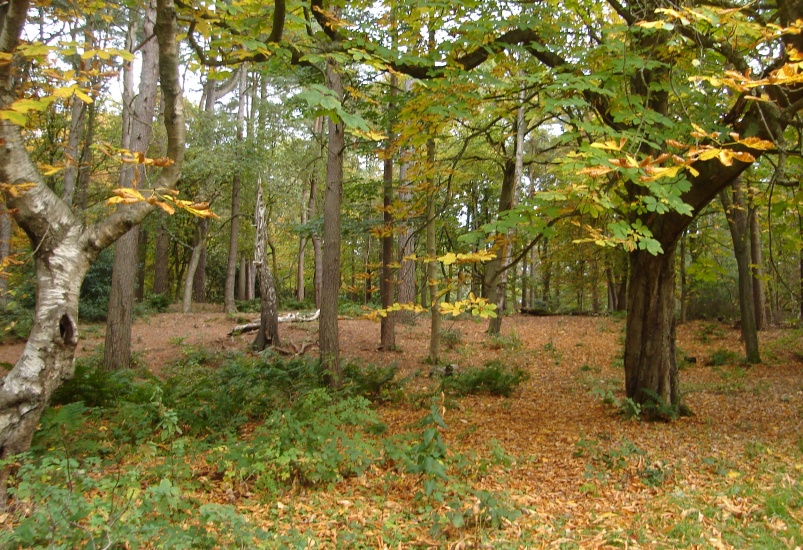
(743, 156)
(726, 157)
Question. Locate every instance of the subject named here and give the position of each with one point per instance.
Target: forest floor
(558, 451)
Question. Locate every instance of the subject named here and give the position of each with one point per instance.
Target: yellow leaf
(448, 258)
(757, 143)
(725, 157)
(709, 154)
(733, 474)
(596, 171)
(166, 207)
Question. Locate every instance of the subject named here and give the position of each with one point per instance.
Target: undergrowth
(127, 459)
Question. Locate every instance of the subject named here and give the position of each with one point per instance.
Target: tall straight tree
(137, 130)
(234, 223)
(387, 281)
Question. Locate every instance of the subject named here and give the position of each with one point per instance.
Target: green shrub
(451, 338)
(721, 357)
(158, 302)
(508, 342)
(374, 382)
(16, 319)
(96, 287)
(493, 379)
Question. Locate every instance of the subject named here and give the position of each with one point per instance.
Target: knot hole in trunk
(67, 329)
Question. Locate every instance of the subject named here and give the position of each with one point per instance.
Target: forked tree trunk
(64, 247)
(651, 371)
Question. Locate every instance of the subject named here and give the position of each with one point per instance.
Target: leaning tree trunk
(63, 247)
(651, 371)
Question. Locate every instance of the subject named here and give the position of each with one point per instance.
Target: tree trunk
(330, 285)
(64, 247)
(268, 334)
(496, 279)
(302, 247)
(77, 116)
(137, 130)
(142, 258)
(195, 260)
(234, 234)
(199, 275)
(6, 232)
(735, 207)
(651, 371)
(683, 286)
(432, 266)
(242, 279)
(161, 263)
(387, 283)
(757, 261)
(317, 251)
(406, 275)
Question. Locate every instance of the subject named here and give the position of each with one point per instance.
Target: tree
(64, 246)
(137, 123)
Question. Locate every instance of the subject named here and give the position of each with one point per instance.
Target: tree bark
(268, 334)
(234, 226)
(406, 246)
(317, 250)
(651, 371)
(387, 282)
(757, 261)
(6, 232)
(432, 264)
(64, 247)
(199, 243)
(161, 263)
(683, 285)
(330, 285)
(735, 207)
(137, 130)
(302, 247)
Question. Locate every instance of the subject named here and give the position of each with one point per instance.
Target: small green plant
(721, 357)
(508, 342)
(374, 382)
(451, 338)
(710, 332)
(493, 378)
(158, 302)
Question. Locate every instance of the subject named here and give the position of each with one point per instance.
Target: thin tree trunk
(759, 294)
(6, 232)
(317, 250)
(137, 126)
(77, 116)
(735, 207)
(142, 257)
(406, 275)
(330, 285)
(161, 263)
(234, 234)
(683, 285)
(86, 160)
(242, 279)
(198, 280)
(195, 259)
(302, 247)
(432, 266)
(387, 282)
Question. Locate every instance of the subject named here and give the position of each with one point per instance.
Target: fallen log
(286, 318)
